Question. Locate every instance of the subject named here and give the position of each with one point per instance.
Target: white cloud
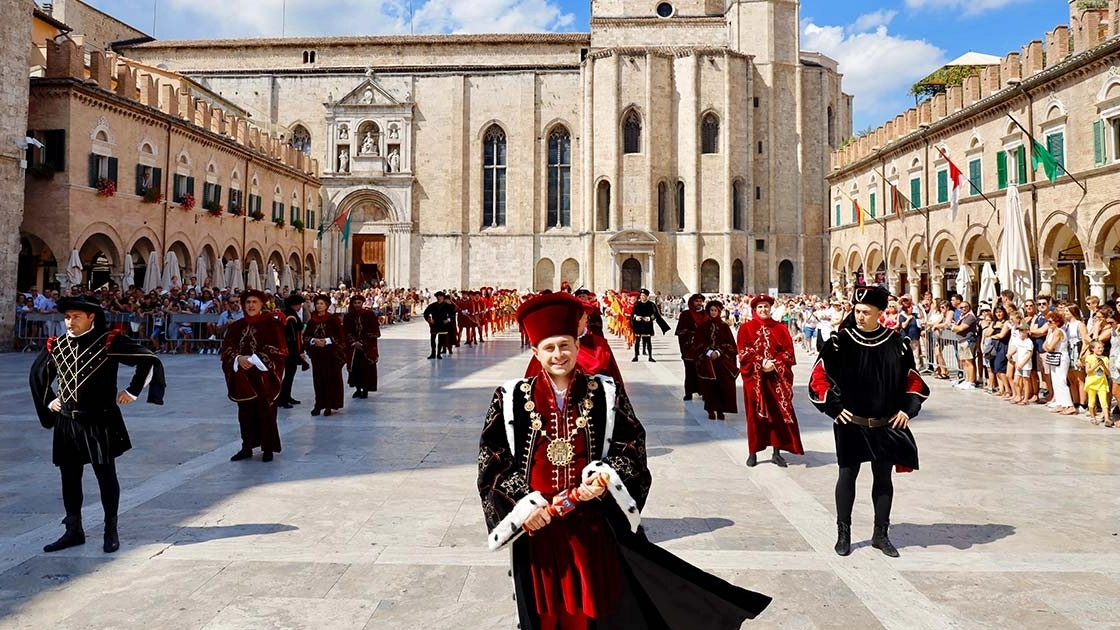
(268, 18)
(967, 7)
(878, 67)
(870, 21)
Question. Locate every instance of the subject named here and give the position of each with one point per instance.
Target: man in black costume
(85, 413)
(641, 321)
(440, 316)
(687, 323)
(293, 334)
(551, 444)
(865, 379)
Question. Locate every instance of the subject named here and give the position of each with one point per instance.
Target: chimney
(99, 70)
(1032, 59)
(1057, 45)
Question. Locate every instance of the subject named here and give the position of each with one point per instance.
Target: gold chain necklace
(561, 450)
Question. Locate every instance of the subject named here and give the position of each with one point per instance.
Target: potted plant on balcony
(236, 210)
(298, 225)
(187, 201)
(256, 216)
(151, 194)
(279, 221)
(106, 187)
(214, 208)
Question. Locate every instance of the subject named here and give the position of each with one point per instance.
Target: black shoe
(285, 406)
(720, 416)
(711, 415)
(440, 357)
(652, 360)
(244, 453)
(72, 537)
(293, 401)
(843, 539)
(634, 359)
(688, 397)
(112, 542)
(365, 394)
(778, 460)
(327, 412)
(882, 542)
(316, 411)
(266, 456)
(431, 356)
(752, 461)
(357, 393)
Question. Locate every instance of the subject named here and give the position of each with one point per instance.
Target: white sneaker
(212, 338)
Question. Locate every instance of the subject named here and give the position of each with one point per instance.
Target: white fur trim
(511, 526)
(507, 410)
(609, 391)
(618, 491)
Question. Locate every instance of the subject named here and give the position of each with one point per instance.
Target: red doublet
(574, 559)
(768, 396)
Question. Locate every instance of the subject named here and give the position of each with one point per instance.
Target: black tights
(882, 493)
(646, 343)
(435, 340)
(106, 480)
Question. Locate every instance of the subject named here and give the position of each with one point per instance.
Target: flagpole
(971, 183)
(1056, 162)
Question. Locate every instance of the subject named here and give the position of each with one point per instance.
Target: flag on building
(859, 214)
(956, 177)
(342, 222)
(1040, 156)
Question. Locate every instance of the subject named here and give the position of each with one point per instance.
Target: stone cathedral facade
(681, 146)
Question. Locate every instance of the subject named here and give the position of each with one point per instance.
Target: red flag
(956, 177)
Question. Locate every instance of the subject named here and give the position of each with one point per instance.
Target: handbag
(1053, 359)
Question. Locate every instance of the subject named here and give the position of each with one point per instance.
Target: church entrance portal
(368, 265)
(631, 275)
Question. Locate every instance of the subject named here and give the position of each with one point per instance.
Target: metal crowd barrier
(941, 350)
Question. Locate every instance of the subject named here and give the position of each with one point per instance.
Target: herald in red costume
(713, 354)
(362, 332)
(590, 566)
(768, 395)
(260, 339)
(326, 346)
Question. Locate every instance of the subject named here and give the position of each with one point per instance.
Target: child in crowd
(1096, 381)
(1021, 354)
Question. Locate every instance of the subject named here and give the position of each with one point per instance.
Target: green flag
(1040, 156)
(346, 229)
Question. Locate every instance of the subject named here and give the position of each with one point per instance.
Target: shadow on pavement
(195, 535)
(659, 530)
(957, 535)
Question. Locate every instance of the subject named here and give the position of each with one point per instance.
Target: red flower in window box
(152, 195)
(215, 209)
(106, 187)
(187, 201)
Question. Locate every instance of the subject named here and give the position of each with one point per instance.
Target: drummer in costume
(686, 330)
(767, 357)
(293, 336)
(713, 353)
(551, 445)
(85, 413)
(253, 356)
(326, 345)
(865, 380)
(362, 332)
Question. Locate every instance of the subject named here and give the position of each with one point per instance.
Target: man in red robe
(686, 328)
(362, 332)
(326, 346)
(713, 353)
(766, 360)
(253, 354)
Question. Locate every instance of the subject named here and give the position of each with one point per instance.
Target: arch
(99, 254)
(975, 142)
(1060, 241)
(494, 157)
(976, 247)
(1051, 233)
(381, 207)
(631, 275)
(209, 252)
(896, 255)
(916, 252)
(544, 276)
(148, 148)
(603, 205)
(184, 159)
(709, 276)
(37, 263)
(1012, 128)
(230, 253)
(1104, 232)
(372, 130)
(944, 250)
(631, 122)
(140, 251)
(252, 255)
(186, 260)
(1054, 109)
(1110, 88)
(569, 272)
(559, 177)
(854, 260)
(102, 133)
(738, 277)
(837, 262)
(874, 258)
(310, 271)
(301, 138)
(785, 276)
(709, 133)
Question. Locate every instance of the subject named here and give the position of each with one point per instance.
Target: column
(651, 276)
(915, 284)
(1096, 283)
(894, 283)
(937, 284)
(1046, 281)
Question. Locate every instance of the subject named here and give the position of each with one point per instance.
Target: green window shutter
(139, 179)
(871, 205)
(112, 169)
(1021, 163)
(1098, 143)
(975, 175)
(836, 223)
(176, 187)
(855, 213)
(190, 185)
(942, 186)
(1001, 169)
(157, 178)
(93, 170)
(916, 192)
(217, 194)
(1056, 145)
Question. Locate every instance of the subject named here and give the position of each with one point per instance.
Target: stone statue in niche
(394, 132)
(367, 97)
(369, 147)
(343, 132)
(343, 160)
(394, 161)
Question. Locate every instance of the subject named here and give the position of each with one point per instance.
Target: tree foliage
(942, 79)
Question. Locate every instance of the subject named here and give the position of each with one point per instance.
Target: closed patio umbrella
(152, 275)
(253, 279)
(964, 282)
(128, 275)
(237, 276)
(202, 270)
(74, 268)
(171, 270)
(988, 279)
(288, 280)
(1014, 266)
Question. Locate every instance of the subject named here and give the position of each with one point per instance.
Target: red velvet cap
(550, 315)
(245, 295)
(760, 298)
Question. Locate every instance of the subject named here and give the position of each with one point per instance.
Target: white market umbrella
(74, 268)
(152, 276)
(988, 279)
(287, 280)
(128, 276)
(1014, 263)
(964, 282)
(202, 270)
(171, 269)
(236, 276)
(253, 280)
(270, 280)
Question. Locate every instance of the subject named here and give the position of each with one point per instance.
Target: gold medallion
(593, 385)
(581, 422)
(526, 387)
(588, 403)
(561, 452)
(530, 406)
(536, 425)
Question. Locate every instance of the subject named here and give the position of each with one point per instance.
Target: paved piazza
(369, 519)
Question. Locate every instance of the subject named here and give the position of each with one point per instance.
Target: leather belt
(871, 423)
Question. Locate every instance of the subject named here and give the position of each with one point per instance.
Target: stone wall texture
(15, 38)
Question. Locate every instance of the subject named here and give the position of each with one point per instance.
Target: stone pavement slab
(369, 519)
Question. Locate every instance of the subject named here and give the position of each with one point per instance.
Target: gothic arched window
(709, 134)
(632, 133)
(559, 178)
(494, 177)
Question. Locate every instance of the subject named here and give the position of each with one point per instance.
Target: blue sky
(882, 46)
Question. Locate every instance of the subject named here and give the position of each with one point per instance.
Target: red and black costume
(256, 390)
(872, 376)
(593, 567)
(686, 331)
(326, 361)
(713, 353)
(362, 332)
(293, 335)
(768, 396)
